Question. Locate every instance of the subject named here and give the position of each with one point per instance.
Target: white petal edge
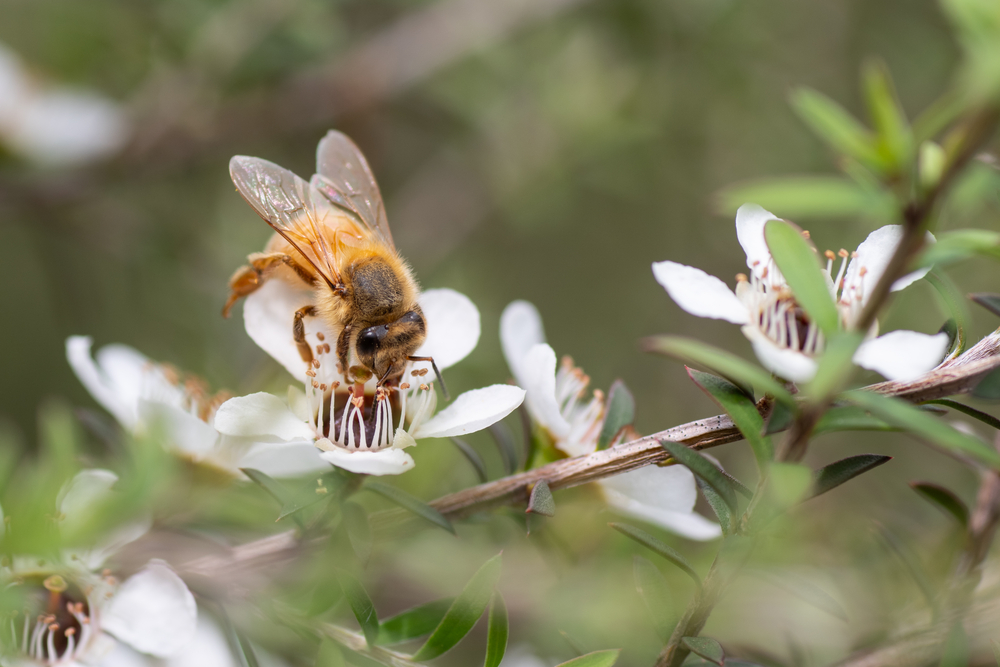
(690, 525)
(539, 381)
(390, 461)
(153, 611)
(750, 221)
(472, 411)
(267, 316)
(873, 254)
(520, 330)
(783, 362)
(699, 293)
(80, 496)
(94, 381)
(285, 459)
(453, 326)
(185, 431)
(902, 355)
(207, 648)
(260, 414)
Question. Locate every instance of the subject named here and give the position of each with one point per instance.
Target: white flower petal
(873, 255)
(285, 459)
(268, 314)
(83, 494)
(261, 414)
(520, 330)
(750, 221)
(184, 431)
(902, 355)
(120, 656)
(123, 408)
(14, 86)
(390, 461)
(699, 293)
(472, 411)
(452, 326)
(783, 362)
(207, 648)
(539, 381)
(153, 611)
(664, 496)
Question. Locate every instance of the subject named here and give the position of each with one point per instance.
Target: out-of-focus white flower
(558, 402)
(361, 428)
(139, 393)
(784, 339)
(53, 125)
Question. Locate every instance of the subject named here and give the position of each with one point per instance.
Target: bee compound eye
(368, 341)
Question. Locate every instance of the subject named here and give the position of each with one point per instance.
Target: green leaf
(655, 593)
(276, 489)
(806, 197)
(474, 458)
(987, 419)
(780, 418)
(413, 623)
(835, 474)
(789, 483)
(707, 648)
(835, 365)
(411, 503)
(595, 659)
(647, 540)
(496, 632)
(850, 418)
(359, 531)
(505, 444)
(918, 422)
(895, 141)
(741, 409)
(463, 613)
(956, 648)
(958, 245)
(939, 115)
(330, 655)
(724, 363)
(619, 412)
(954, 306)
(834, 125)
(944, 499)
(541, 500)
(361, 605)
(797, 261)
(727, 520)
(990, 302)
(988, 389)
(704, 469)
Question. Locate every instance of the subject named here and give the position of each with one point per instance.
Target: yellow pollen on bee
(842, 253)
(742, 278)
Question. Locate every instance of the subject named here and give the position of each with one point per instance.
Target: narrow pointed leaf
(330, 655)
(647, 540)
(463, 613)
(655, 593)
(741, 409)
(984, 417)
(944, 499)
(411, 503)
(739, 486)
(413, 623)
(895, 140)
(835, 366)
(619, 412)
(834, 125)
(496, 632)
(474, 458)
(707, 648)
(361, 605)
(925, 426)
(958, 245)
(988, 388)
(835, 474)
(727, 520)
(797, 261)
(574, 645)
(780, 418)
(595, 659)
(541, 500)
(704, 469)
(990, 302)
(805, 197)
(724, 363)
(276, 489)
(504, 440)
(850, 418)
(954, 306)
(359, 531)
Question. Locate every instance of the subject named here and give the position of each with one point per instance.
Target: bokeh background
(547, 150)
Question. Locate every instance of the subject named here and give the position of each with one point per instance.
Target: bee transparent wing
(344, 177)
(292, 207)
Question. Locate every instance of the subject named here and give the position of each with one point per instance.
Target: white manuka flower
(140, 393)
(75, 611)
(785, 340)
(557, 401)
(359, 428)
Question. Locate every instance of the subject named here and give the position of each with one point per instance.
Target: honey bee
(331, 235)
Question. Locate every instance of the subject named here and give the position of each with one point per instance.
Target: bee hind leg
(299, 332)
(248, 278)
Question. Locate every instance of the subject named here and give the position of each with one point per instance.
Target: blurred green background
(547, 150)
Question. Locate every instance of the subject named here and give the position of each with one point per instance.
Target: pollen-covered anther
(842, 253)
(320, 336)
(829, 254)
(322, 387)
(311, 373)
(763, 274)
(315, 363)
(742, 278)
(404, 385)
(315, 384)
(805, 233)
(424, 387)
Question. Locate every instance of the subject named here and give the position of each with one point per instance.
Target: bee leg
(437, 373)
(248, 279)
(299, 332)
(343, 347)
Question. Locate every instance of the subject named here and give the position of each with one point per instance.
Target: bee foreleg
(299, 332)
(343, 348)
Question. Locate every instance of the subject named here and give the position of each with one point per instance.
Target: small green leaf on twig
(411, 503)
(798, 262)
(805, 197)
(727, 520)
(833, 475)
(473, 457)
(595, 659)
(944, 500)
(780, 418)
(988, 389)
(413, 623)
(850, 418)
(990, 302)
(834, 125)
(541, 500)
(987, 419)
(741, 409)
(619, 412)
(707, 648)
(647, 540)
(361, 605)
(496, 632)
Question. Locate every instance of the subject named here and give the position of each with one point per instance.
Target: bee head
(383, 348)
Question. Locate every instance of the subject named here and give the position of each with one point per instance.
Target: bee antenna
(437, 373)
